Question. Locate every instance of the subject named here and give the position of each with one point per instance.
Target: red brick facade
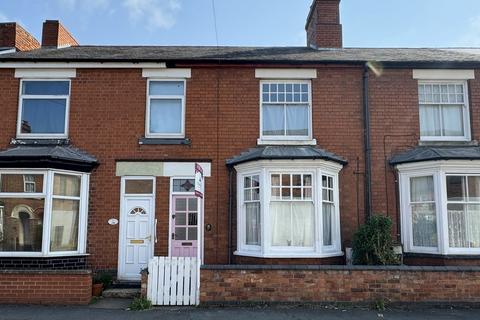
(54, 34)
(45, 287)
(326, 285)
(12, 35)
(323, 25)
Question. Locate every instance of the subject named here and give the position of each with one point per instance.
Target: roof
(246, 54)
(55, 156)
(422, 153)
(284, 153)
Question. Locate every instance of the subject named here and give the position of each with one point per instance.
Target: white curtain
(327, 223)
(165, 116)
(297, 120)
(452, 120)
(252, 223)
(429, 120)
(464, 226)
(273, 120)
(424, 220)
(292, 224)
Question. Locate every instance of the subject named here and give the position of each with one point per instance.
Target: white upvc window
(43, 108)
(48, 220)
(441, 207)
(444, 110)
(288, 209)
(285, 111)
(165, 108)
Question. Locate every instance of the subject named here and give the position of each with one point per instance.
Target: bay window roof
(285, 153)
(431, 153)
(54, 156)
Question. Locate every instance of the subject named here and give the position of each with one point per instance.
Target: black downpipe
(366, 133)
(230, 213)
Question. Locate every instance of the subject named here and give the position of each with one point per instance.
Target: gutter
(367, 143)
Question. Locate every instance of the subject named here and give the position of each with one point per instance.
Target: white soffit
(184, 169)
(45, 73)
(160, 168)
(286, 73)
(443, 74)
(167, 73)
(79, 65)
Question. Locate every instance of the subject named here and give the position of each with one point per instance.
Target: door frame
(122, 225)
(200, 204)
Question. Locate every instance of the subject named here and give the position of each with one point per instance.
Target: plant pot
(97, 289)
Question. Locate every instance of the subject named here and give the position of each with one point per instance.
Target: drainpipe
(366, 134)
(230, 213)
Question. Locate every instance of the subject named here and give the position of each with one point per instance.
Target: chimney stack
(323, 25)
(12, 35)
(55, 35)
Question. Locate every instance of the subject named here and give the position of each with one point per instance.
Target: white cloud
(88, 5)
(471, 37)
(156, 14)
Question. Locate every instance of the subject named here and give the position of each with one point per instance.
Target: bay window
(42, 213)
(288, 211)
(441, 207)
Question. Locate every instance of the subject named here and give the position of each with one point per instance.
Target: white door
(136, 236)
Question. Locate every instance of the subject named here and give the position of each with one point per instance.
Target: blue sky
(366, 23)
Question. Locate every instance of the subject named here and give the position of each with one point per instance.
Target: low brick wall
(45, 287)
(325, 284)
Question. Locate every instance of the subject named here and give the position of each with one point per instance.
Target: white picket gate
(173, 281)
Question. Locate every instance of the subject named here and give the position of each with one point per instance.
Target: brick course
(45, 287)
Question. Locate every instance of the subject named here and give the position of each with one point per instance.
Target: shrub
(139, 304)
(373, 244)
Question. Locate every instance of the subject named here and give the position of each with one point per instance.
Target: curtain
(273, 120)
(292, 223)
(429, 120)
(166, 116)
(43, 115)
(252, 223)
(297, 120)
(464, 225)
(327, 223)
(452, 120)
(424, 220)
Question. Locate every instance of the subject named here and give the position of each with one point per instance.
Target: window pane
(473, 225)
(292, 224)
(455, 188)
(66, 185)
(181, 218)
(192, 204)
(181, 233)
(192, 233)
(247, 182)
(46, 88)
(252, 223)
(64, 228)
(430, 121)
(43, 116)
(255, 181)
(307, 179)
(286, 180)
(180, 204)
(273, 120)
(464, 225)
(166, 116)
(424, 225)
(276, 193)
(297, 193)
(275, 179)
(297, 180)
(183, 185)
(21, 224)
(20, 183)
(473, 188)
(327, 223)
(164, 88)
(421, 189)
(138, 186)
(192, 219)
(452, 121)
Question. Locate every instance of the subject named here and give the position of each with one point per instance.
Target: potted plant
(97, 286)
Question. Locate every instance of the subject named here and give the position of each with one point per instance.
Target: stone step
(121, 293)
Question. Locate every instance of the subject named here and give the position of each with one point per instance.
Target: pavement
(115, 309)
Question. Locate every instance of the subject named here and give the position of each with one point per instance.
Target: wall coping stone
(48, 272)
(403, 268)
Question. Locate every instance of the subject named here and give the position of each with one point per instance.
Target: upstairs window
(286, 110)
(166, 109)
(444, 112)
(44, 108)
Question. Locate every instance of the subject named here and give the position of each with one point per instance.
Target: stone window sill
(164, 141)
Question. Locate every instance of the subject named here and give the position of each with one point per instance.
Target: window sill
(311, 142)
(164, 141)
(288, 255)
(447, 143)
(448, 256)
(40, 255)
(40, 142)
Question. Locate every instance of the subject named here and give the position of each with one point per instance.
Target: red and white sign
(199, 181)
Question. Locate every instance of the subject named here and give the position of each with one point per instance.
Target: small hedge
(373, 244)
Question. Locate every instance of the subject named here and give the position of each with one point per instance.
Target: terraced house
(298, 146)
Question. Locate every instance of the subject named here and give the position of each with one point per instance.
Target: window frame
(287, 139)
(21, 97)
(466, 110)
(439, 170)
(265, 169)
(148, 134)
(47, 195)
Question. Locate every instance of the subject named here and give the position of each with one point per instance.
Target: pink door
(184, 226)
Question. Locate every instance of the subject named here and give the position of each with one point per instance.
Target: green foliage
(104, 278)
(373, 244)
(139, 304)
(379, 305)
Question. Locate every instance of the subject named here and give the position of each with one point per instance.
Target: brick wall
(45, 287)
(14, 36)
(54, 34)
(224, 284)
(43, 263)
